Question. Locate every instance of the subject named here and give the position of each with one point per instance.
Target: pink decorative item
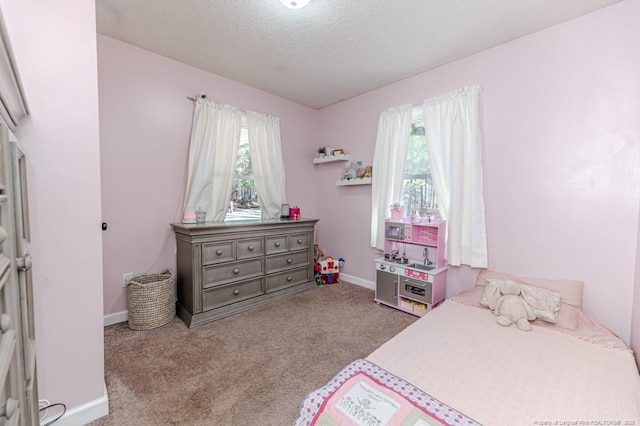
(294, 212)
(397, 212)
(189, 216)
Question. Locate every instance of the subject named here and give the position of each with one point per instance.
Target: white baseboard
(116, 318)
(123, 316)
(84, 414)
(358, 281)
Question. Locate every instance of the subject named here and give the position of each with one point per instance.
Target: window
(244, 202)
(417, 187)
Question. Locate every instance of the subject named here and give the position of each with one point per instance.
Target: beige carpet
(253, 368)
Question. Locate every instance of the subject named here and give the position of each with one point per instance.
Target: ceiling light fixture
(295, 4)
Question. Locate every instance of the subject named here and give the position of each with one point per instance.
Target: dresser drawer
(232, 293)
(218, 252)
(299, 241)
(287, 261)
(288, 279)
(250, 248)
(223, 274)
(277, 244)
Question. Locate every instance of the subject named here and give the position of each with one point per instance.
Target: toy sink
(420, 266)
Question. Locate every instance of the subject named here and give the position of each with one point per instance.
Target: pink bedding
(571, 321)
(363, 394)
(571, 372)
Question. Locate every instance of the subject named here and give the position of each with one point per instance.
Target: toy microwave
(398, 231)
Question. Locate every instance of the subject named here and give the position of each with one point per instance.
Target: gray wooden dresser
(228, 267)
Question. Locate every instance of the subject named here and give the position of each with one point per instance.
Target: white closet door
(23, 263)
(10, 361)
(18, 393)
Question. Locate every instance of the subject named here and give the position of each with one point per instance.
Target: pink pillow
(569, 290)
(568, 316)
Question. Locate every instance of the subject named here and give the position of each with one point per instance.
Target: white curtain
(215, 137)
(267, 162)
(452, 129)
(389, 157)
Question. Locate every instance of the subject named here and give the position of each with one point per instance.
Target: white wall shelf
(331, 158)
(356, 181)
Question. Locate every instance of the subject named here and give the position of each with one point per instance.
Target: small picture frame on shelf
(338, 151)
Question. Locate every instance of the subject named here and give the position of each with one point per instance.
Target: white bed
(572, 372)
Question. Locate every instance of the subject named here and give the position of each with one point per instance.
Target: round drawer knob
(10, 408)
(23, 263)
(289, 260)
(250, 248)
(218, 252)
(277, 244)
(5, 322)
(236, 271)
(382, 268)
(299, 241)
(289, 278)
(236, 292)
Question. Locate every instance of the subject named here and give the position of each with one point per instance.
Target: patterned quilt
(364, 394)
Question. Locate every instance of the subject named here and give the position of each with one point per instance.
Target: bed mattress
(498, 375)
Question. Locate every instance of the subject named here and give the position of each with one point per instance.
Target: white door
(18, 395)
(23, 263)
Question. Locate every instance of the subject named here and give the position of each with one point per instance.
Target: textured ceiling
(331, 50)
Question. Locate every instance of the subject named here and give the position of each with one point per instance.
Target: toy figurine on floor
(316, 273)
(318, 255)
(329, 271)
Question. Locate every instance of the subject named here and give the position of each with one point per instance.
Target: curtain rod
(203, 95)
(200, 95)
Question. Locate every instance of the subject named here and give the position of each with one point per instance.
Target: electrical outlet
(126, 277)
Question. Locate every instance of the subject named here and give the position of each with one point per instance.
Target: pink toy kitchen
(411, 276)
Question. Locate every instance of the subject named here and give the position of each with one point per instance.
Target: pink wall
(145, 122)
(635, 314)
(55, 49)
(560, 109)
(561, 138)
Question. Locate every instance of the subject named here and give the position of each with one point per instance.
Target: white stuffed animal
(507, 304)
